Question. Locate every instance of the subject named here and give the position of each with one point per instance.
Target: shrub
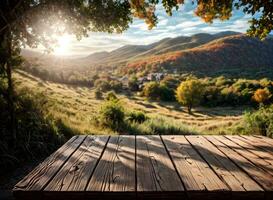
(98, 94)
(259, 122)
(133, 84)
(111, 96)
(38, 134)
(102, 85)
(151, 90)
(156, 91)
(116, 85)
(166, 93)
(112, 115)
(160, 125)
(137, 117)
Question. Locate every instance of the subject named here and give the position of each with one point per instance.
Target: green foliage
(133, 84)
(259, 122)
(170, 82)
(137, 117)
(116, 85)
(98, 94)
(151, 90)
(111, 115)
(159, 125)
(102, 85)
(111, 96)
(189, 93)
(38, 134)
(156, 91)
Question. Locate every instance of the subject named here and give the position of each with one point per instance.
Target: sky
(183, 22)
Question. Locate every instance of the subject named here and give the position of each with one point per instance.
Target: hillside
(131, 52)
(224, 53)
(236, 53)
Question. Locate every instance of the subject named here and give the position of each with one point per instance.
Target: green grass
(77, 108)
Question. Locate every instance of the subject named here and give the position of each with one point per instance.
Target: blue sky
(183, 22)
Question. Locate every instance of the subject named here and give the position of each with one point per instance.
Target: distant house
(155, 76)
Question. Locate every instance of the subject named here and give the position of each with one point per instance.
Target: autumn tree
(34, 23)
(189, 93)
(261, 95)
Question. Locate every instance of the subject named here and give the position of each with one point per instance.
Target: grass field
(77, 106)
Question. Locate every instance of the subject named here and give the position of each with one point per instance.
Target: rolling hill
(222, 53)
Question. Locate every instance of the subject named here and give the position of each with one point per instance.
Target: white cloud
(183, 22)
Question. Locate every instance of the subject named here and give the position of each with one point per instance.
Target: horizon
(183, 22)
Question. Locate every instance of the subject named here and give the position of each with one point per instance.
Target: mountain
(131, 52)
(227, 53)
(208, 54)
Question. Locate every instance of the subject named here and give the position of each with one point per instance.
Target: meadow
(77, 107)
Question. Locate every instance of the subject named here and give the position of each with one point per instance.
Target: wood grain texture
(251, 157)
(257, 143)
(154, 167)
(193, 170)
(42, 174)
(233, 176)
(256, 173)
(264, 139)
(76, 172)
(264, 155)
(115, 171)
(155, 171)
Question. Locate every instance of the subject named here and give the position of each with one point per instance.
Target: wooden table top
(154, 167)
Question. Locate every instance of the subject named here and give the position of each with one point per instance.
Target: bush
(37, 133)
(137, 117)
(98, 94)
(159, 125)
(259, 122)
(116, 85)
(151, 90)
(112, 115)
(156, 91)
(102, 85)
(111, 96)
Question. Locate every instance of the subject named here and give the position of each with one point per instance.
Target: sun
(63, 45)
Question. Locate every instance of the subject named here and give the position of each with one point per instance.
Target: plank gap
(249, 175)
(63, 164)
(97, 163)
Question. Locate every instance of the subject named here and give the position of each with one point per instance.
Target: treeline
(220, 91)
(70, 78)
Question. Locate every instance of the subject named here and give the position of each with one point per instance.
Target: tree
(261, 95)
(189, 93)
(34, 23)
(133, 84)
(151, 90)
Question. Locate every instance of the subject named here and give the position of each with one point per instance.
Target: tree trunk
(189, 109)
(10, 93)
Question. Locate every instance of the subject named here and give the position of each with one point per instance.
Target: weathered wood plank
(234, 177)
(257, 143)
(76, 172)
(156, 175)
(265, 180)
(193, 170)
(264, 139)
(267, 167)
(115, 171)
(42, 174)
(264, 155)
